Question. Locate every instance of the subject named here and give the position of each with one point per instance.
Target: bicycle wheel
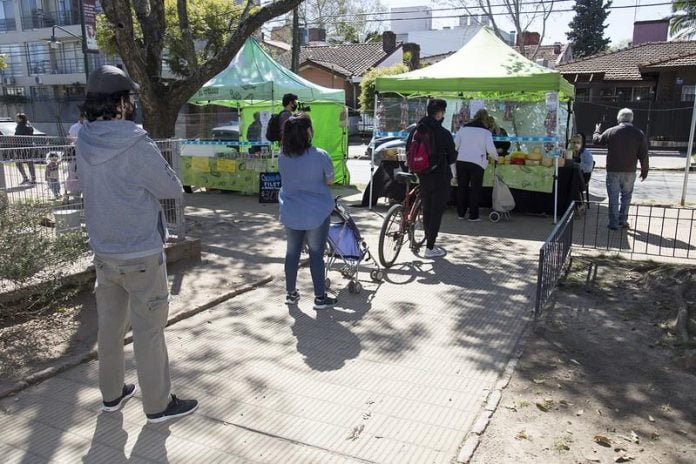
(416, 232)
(391, 238)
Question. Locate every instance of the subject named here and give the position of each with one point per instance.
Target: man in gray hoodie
(123, 176)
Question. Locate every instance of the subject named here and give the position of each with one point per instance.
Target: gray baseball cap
(108, 80)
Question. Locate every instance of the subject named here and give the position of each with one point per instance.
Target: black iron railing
(554, 258)
(652, 231)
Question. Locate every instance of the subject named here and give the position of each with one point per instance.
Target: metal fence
(554, 258)
(653, 231)
(664, 232)
(26, 161)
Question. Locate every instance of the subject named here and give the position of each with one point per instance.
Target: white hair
(625, 115)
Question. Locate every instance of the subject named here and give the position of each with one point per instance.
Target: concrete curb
(473, 438)
(78, 359)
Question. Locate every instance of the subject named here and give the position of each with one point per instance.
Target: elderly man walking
(626, 145)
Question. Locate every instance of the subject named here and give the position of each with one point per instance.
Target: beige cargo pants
(134, 291)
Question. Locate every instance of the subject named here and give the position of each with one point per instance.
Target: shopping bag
(503, 200)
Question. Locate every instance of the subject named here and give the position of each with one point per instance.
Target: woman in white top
(474, 143)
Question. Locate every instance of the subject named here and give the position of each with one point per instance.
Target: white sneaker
(436, 252)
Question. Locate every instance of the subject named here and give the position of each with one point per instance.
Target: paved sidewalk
(396, 374)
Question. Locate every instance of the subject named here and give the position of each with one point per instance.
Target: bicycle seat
(406, 177)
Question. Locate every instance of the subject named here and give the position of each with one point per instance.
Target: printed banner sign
(89, 13)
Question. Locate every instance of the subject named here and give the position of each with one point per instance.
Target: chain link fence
(42, 171)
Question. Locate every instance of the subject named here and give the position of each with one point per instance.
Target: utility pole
(84, 42)
(295, 62)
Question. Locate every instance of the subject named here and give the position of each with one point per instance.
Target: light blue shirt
(305, 198)
(586, 161)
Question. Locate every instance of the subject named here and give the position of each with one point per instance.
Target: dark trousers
(32, 170)
(470, 183)
(434, 195)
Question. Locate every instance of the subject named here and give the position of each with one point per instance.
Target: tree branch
(150, 14)
(118, 12)
(186, 34)
(184, 88)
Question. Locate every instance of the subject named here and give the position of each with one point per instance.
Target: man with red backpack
(433, 142)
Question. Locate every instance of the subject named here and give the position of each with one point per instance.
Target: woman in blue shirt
(305, 206)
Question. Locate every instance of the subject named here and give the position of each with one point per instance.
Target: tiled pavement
(396, 374)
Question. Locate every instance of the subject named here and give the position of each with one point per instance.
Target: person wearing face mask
(123, 177)
(435, 182)
(289, 108)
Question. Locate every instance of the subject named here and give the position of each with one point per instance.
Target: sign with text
(89, 14)
(269, 187)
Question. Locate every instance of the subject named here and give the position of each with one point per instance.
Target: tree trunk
(159, 117)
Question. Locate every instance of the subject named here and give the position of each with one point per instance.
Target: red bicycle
(402, 222)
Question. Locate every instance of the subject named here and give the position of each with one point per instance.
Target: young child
(53, 173)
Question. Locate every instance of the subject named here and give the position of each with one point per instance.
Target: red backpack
(418, 155)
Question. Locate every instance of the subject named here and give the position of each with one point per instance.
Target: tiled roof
(688, 59)
(546, 52)
(332, 66)
(354, 59)
(432, 59)
(625, 64)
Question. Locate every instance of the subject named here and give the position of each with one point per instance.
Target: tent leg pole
(372, 172)
(689, 152)
(555, 193)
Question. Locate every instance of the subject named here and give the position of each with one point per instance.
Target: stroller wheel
(327, 283)
(354, 287)
(377, 275)
(494, 216)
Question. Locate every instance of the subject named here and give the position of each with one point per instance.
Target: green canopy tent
(485, 64)
(253, 82)
(484, 68)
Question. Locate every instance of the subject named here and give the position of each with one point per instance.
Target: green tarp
(484, 64)
(530, 178)
(253, 81)
(253, 76)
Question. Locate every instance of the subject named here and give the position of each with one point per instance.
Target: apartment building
(41, 78)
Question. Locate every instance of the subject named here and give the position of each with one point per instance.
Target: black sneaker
(113, 406)
(625, 225)
(324, 302)
(292, 298)
(176, 408)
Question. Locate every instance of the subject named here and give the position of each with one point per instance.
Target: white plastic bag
(503, 201)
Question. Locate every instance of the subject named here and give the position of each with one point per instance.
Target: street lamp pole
(84, 44)
(84, 41)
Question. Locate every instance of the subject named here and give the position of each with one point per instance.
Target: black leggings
(470, 183)
(434, 195)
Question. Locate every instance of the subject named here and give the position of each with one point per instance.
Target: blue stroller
(346, 250)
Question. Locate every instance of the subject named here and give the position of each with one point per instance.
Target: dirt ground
(602, 378)
(30, 344)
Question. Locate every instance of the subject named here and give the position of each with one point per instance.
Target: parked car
(7, 127)
(379, 141)
(227, 133)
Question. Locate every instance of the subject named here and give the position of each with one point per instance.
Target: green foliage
(367, 85)
(587, 27)
(209, 22)
(30, 253)
(3, 61)
(683, 21)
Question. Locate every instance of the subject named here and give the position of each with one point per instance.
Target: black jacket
(626, 145)
(504, 145)
(24, 129)
(443, 147)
